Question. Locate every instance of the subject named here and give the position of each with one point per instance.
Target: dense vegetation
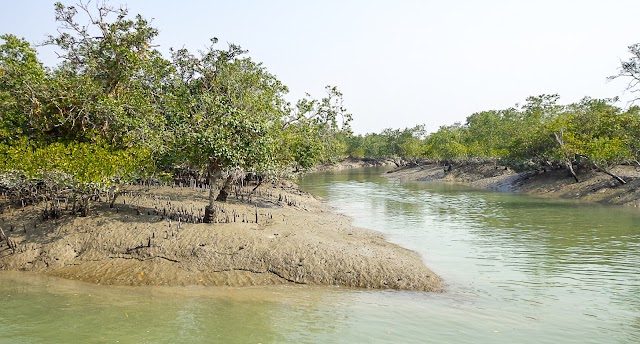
(114, 110)
(540, 134)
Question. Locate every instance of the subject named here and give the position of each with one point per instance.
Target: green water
(518, 270)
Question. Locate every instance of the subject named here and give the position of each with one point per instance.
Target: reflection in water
(518, 269)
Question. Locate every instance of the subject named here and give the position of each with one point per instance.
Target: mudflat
(593, 186)
(281, 236)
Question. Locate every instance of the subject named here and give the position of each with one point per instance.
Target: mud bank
(350, 163)
(296, 239)
(593, 186)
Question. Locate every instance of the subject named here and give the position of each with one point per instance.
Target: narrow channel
(518, 269)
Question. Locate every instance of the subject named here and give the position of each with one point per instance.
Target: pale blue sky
(399, 63)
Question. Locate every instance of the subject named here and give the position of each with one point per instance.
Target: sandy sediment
(593, 186)
(296, 239)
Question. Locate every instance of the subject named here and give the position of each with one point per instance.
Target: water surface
(517, 269)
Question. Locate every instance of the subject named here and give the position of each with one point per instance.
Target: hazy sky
(399, 63)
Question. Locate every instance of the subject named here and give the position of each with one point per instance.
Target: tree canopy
(593, 133)
(115, 109)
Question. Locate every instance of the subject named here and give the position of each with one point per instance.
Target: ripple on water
(518, 270)
(574, 268)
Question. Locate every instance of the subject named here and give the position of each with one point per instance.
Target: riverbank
(593, 186)
(296, 239)
(349, 163)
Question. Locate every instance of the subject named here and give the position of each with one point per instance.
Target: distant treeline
(541, 134)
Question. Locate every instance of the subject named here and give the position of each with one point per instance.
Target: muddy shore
(593, 186)
(350, 163)
(296, 239)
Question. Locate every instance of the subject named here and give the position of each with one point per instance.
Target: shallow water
(517, 268)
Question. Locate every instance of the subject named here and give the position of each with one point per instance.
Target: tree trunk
(573, 173)
(116, 192)
(12, 245)
(215, 174)
(605, 171)
(612, 175)
(566, 156)
(257, 186)
(84, 206)
(226, 189)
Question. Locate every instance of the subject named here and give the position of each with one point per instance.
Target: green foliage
(21, 82)
(109, 84)
(76, 170)
(375, 146)
(115, 108)
(488, 133)
(317, 130)
(305, 150)
(93, 121)
(630, 120)
(596, 130)
(538, 134)
(86, 164)
(225, 110)
(447, 143)
(391, 143)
